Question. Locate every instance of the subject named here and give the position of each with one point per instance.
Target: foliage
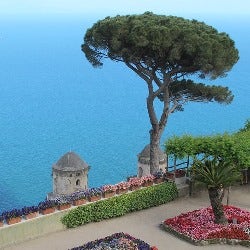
(63, 199)
(12, 214)
(120, 205)
(232, 147)
(47, 204)
(158, 174)
(164, 51)
(29, 210)
(93, 192)
(246, 127)
(115, 241)
(198, 225)
(241, 154)
(160, 41)
(187, 145)
(78, 195)
(215, 173)
(135, 182)
(123, 185)
(189, 90)
(108, 188)
(147, 178)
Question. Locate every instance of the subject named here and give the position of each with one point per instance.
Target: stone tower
(70, 174)
(144, 161)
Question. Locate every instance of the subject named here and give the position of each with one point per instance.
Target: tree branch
(138, 72)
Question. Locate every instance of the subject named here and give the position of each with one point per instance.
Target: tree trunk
(154, 150)
(228, 195)
(216, 203)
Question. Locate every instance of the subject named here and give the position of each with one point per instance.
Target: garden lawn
(118, 241)
(198, 226)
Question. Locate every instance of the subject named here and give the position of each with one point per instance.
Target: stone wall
(45, 224)
(30, 229)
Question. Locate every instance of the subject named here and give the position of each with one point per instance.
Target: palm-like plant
(216, 174)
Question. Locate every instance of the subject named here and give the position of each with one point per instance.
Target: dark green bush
(122, 204)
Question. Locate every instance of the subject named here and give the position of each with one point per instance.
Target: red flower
(199, 224)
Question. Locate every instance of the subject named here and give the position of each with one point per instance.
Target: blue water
(53, 101)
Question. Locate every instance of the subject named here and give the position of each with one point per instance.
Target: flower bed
(122, 187)
(30, 212)
(78, 198)
(147, 180)
(135, 183)
(108, 190)
(13, 216)
(93, 194)
(198, 226)
(178, 173)
(121, 204)
(119, 241)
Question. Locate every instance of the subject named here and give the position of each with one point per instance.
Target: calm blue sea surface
(53, 101)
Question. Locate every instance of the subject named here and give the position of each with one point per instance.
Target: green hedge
(120, 205)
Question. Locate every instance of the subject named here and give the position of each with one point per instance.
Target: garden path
(143, 225)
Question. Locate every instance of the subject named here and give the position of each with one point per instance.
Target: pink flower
(122, 185)
(147, 178)
(199, 224)
(108, 188)
(135, 181)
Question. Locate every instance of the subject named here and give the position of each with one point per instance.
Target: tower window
(78, 183)
(78, 174)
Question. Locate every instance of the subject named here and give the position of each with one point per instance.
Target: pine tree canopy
(162, 43)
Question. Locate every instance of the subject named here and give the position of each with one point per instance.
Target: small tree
(164, 51)
(216, 175)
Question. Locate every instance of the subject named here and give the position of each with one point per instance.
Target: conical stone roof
(144, 156)
(70, 162)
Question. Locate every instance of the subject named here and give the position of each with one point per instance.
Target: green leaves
(234, 148)
(162, 41)
(120, 205)
(187, 90)
(215, 173)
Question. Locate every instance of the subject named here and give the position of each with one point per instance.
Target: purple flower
(12, 214)
(29, 210)
(47, 204)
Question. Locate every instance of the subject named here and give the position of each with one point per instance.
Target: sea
(53, 101)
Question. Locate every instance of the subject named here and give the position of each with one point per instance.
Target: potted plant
(12, 216)
(30, 212)
(78, 198)
(94, 194)
(62, 202)
(179, 176)
(122, 187)
(180, 173)
(170, 175)
(135, 183)
(1, 220)
(159, 176)
(147, 180)
(47, 207)
(108, 190)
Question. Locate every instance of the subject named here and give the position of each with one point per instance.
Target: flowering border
(117, 240)
(191, 227)
(70, 199)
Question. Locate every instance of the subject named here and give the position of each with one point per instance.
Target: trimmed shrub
(121, 205)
